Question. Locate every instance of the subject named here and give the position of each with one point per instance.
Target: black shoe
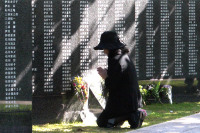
(133, 120)
(117, 122)
(136, 119)
(142, 117)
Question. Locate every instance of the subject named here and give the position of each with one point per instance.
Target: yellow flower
(79, 86)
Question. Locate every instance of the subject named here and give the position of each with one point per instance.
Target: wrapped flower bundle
(80, 87)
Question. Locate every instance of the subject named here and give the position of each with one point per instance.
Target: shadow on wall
(75, 55)
(39, 55)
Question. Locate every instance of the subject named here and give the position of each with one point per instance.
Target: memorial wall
(167, 38)
(15, 51)
(44, 43)
(63, 36)
(162, 36)
(15, 66)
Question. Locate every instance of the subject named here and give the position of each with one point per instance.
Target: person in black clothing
(121, 81)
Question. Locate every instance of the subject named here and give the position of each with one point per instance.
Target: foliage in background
(178, 84)
(154, 91)
(167, 91)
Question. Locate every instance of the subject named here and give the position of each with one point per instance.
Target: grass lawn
(157, 113)
(175, 83)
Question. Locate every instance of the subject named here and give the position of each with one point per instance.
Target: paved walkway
(189, 124)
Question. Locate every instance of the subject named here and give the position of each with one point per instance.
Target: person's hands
(102, 72)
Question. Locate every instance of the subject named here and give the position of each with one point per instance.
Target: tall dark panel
(192, 39)
(51, 35)
(2, 49)
(161, 35)
(15, 66)
(150, 39)
(198, 40)
(140, 38)
(16, 57)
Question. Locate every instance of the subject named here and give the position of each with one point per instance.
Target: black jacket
(124, 95)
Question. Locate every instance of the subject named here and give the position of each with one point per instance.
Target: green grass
(76, 127)
(157, 113)
(165, 112)
(174, 83)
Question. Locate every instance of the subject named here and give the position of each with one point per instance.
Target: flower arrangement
(154, 90)
(80, 87)
(151, 90)
(167, 89)
(144, 94)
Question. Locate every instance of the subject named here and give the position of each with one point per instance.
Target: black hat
(109, 40)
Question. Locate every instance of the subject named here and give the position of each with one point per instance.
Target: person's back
(122, 84)
(121, 81)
